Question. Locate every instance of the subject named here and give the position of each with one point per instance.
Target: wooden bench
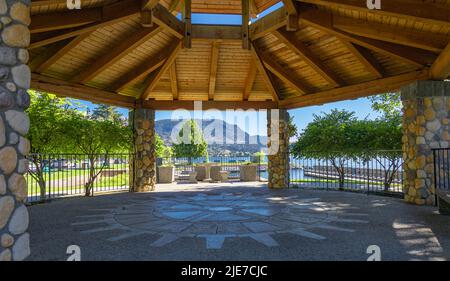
(112, 173)
(443, 201)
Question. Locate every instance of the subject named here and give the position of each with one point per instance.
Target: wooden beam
(67, 89)
(49, 51)
(268, 24)
(285, 75)
(307, 56)
(408, 37)
(171, 24)
(366, 58)
(418, 11)
(219, 105)
(253, 9)
(174, 5)
(61, 52)
(245, 24)
(146, 67)
(440, 69)
(324, 21)
(50, 37)
(364, 89)
(175, 48)
(250, 80)
(106, 14)
(213, 69)
(187, 13)
(111, 14)
(64, 19)
(216, 32)
(115, 54)
(149, 4)
(292, 15)
(266, 76)
(174, 80)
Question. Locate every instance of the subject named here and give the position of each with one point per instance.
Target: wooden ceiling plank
(366, 58)
(364, 89)
(408, 37)
(174, 50)
(419, 11)
(440, 69)
(61, 52)
(148, 66)
(37, 61)
(323, 20)
(273, 66)
(263, 71)
(307, 56)
(215, 46)
(116, 53)
(250, 80)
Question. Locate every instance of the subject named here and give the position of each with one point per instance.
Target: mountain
(223, 138)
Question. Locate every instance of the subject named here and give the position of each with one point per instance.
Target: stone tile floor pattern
(215, 221)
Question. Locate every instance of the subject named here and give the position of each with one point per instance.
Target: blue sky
(302, 116)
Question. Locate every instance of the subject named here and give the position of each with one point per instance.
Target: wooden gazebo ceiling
(110, 52)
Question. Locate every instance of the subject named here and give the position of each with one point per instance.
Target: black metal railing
(52, 176)
(380, 173)
(441, 160)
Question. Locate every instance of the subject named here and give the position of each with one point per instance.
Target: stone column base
(426, 106)
(143, 162)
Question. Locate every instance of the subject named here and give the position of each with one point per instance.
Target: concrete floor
(236, 221)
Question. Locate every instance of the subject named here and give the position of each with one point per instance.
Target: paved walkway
(236, 221)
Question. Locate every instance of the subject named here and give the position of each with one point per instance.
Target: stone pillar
(425, 126)
(278, 148)
(14, 125)
(143, 164)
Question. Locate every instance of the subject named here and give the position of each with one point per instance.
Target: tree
(190, 142)
(106, 112)
(46, 135)
(93, 137)
(292, 128)
(162, 150)
(388, 104)
(333, 136)
(385, 137)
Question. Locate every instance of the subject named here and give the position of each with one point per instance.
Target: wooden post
(187, 13)
(245, 24)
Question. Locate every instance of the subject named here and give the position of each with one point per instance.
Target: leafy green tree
(388, 104)
(385, 136)
(162, 150)
(190, 142)
(106, 112)
(292, 128)
(46, 135)
(333, 136)
(92, 138)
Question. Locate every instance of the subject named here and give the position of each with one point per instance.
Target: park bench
(443, 196)
(112, 173)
